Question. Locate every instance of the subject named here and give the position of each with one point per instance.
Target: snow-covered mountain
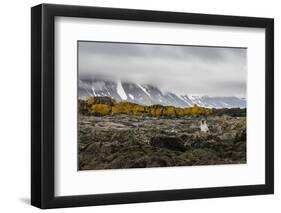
(147, 95)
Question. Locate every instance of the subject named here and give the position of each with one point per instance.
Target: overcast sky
(191, 70)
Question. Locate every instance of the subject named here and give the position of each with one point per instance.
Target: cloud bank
(192, 70)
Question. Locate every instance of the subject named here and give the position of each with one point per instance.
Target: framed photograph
(139, 106)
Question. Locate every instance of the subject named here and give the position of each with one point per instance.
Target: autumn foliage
(108, 106)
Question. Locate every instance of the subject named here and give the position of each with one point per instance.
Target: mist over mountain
(146, 94)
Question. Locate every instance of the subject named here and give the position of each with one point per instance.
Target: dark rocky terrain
(141, 141)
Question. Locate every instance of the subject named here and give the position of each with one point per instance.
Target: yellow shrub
(158, 111)
(101, 109)
(91, 101)
(169, 111)
(198, 110)
(187, 111)
(194, 109)
(138, 109)
(115, 109)
(179, 111)
(124, 107)
(154, 110)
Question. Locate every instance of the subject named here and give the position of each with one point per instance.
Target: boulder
(186, 137)
(227, 136)
(241, 135)
(168, 142)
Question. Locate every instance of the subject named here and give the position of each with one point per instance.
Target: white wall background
(15, 107)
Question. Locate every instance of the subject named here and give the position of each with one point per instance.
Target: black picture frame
(43, 110)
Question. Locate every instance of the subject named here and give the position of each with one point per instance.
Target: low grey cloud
(193, 70)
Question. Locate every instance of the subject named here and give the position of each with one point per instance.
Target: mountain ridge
(146, 94)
